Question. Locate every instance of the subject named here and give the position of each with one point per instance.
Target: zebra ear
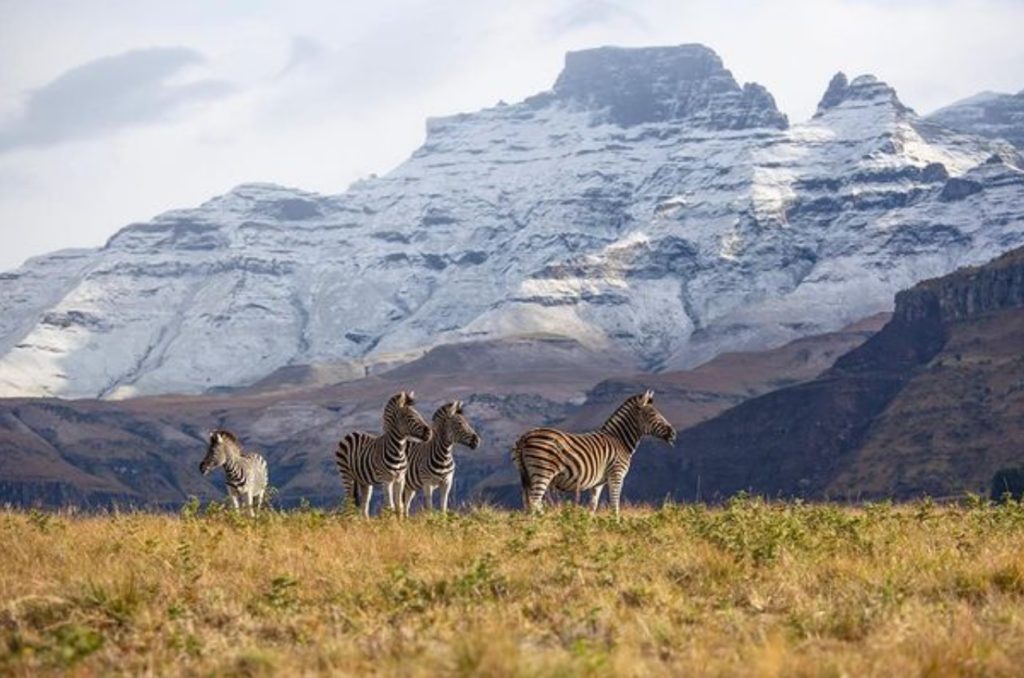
(649, 397)
(453, 407)
(458, 406)
(410, 397)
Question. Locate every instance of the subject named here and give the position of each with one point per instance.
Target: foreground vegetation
(751, 588)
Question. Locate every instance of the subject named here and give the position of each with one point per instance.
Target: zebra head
(401, 417)
(453, 427)
(221, 442)
(652, 421)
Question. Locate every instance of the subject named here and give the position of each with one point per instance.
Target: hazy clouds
(107, 94)
(114, 110)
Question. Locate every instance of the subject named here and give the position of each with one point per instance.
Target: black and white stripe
(245, 472)
(431, 464)
(365, 460)
(573, 462)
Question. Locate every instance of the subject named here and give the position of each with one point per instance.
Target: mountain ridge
(995, 115)
(631, 224)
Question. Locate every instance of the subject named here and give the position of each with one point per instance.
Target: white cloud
(325, 92)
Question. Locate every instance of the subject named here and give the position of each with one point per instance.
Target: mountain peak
(864, 89)
(631, 86)
(837, 87)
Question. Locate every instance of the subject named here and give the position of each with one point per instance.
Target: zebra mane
(624, 411)
(447, 410)
(226, 434)
(400, 399)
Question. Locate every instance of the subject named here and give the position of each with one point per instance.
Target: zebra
(365, 460)
(588, 461)
(245, 472)
(431, 464)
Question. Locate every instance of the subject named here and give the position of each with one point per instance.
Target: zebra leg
(389, 495)
(408, 495)
(259, 502)
(234, 500)
(366, 491)
(428, 497)
(248, 505)
(446, 488)
(615, 493)
(595, 497)
(538, 488)
(400, 494)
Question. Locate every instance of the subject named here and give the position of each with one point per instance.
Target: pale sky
(114, 111)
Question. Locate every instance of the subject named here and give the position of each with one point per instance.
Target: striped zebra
(431, 464)
(245, 472)
(574, 462)
(365, 460)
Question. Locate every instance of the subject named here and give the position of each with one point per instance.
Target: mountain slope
(989, 114)
(647, 206)
(932, 404)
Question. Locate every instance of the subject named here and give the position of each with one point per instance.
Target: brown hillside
(145, 451)
(932, 404)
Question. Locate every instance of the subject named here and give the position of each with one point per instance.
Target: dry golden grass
(747, 589)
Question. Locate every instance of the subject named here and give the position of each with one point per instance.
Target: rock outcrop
(684, 84)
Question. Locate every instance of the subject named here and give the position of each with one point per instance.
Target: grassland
(751, 588)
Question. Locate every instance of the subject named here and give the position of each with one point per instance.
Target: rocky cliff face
(686, 84)
(648, 206)
(932, 404)
(971, 292)
(989, 114)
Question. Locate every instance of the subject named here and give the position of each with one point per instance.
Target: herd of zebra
(411, 455)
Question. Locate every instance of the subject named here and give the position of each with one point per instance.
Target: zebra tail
(524, 476)
(339, 455)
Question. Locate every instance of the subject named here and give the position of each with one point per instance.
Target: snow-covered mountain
(988, 114)
(647, 205)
